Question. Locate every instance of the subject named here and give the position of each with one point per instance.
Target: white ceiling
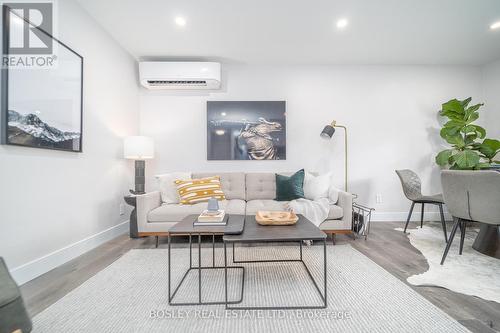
(304, 32)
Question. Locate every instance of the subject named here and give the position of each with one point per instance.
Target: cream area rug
(131, 296)
(471, 273)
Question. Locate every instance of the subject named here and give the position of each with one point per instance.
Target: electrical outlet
(379, 198)
(122, 209)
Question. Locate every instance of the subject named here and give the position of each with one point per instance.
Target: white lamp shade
(138, 148)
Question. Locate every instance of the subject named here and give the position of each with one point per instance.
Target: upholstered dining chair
(470, 196)
(412, 188)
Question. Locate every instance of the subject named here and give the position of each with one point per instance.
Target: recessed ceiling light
(342, 23)
(180, 21)
(495, 25)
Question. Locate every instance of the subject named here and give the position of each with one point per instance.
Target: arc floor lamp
(327, 133)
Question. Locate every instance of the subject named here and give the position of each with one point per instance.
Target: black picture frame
(5, 88)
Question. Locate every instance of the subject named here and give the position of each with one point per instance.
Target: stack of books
(211, 218)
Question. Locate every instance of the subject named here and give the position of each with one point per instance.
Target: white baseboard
(402, 216)
(39, 266)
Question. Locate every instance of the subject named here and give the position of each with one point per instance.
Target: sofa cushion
(167, 187)
(260, 186)
(253, 206)
(316, 187)
(194, 191)
(232, 183)
(335, 212)
(290, 187)
(176, 212)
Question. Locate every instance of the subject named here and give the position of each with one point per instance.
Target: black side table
(131, 200)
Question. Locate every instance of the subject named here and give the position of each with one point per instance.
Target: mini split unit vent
(179, 75)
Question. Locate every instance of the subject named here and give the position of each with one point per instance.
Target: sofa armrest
(345, 202)
(144, 204)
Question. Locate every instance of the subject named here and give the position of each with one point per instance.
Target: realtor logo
(30, 27)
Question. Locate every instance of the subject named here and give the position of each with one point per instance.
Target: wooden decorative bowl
(276, 218)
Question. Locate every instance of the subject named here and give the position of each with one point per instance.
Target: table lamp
(139, 148)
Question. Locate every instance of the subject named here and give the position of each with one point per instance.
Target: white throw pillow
(316, 187)
(167, 187)
(333, 194)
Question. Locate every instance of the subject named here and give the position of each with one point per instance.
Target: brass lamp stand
(327, 133)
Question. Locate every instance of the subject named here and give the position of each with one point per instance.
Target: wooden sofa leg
(157, 241)
(333, 238)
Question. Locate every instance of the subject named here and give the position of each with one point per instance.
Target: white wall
(57, 205)
(491, 91)
(390, 111)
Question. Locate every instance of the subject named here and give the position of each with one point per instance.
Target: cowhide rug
(471, 273)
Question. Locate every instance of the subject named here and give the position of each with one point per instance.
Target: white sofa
(246, 193)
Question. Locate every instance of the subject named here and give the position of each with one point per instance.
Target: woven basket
(276, 218)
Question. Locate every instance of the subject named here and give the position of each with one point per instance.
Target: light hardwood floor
(387, 247)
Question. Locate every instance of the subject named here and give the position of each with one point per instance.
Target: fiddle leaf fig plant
(470, 149)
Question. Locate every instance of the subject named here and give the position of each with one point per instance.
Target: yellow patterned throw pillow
(193, 191)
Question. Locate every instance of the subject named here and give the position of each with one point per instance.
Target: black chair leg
(422, 216)
(462, 236)
(450, 240)
(443, 223)
(409, 215)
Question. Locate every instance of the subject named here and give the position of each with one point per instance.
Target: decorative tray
(276, 218)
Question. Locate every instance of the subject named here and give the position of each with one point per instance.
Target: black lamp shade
(328, 132)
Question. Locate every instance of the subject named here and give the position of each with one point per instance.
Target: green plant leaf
(466, 159)
(454, 105)
(473, 109)
(455, 123)
(455, 139)
(469, 140)
(481, 131)
(472, 117)
(452, 115)
(449, 132)
(482, 165)
(443, 157)
(466, 102)
(468, 129)
(490, 148)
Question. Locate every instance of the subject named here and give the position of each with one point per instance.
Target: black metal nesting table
(235, 224)
(299, 232)
(244, 229)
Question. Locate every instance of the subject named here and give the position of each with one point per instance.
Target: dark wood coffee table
(255, 233)
(235, 224)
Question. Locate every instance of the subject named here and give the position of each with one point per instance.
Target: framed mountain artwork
(246, 130)
(42, 107)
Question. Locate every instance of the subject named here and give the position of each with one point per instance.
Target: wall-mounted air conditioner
(179, 75)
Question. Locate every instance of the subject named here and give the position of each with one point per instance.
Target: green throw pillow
(290, 188)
